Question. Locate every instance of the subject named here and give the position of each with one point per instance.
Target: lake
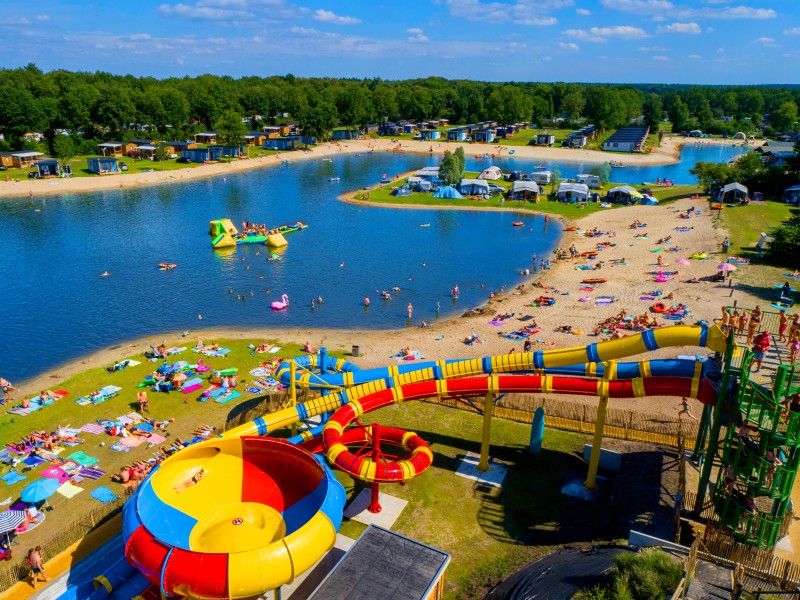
(56, 307)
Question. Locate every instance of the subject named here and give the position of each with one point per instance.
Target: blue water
(56, 307)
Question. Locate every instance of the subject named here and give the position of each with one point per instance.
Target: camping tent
(524, 190)
(624, 194)
(733, 192)
(572, 192)
(401, 191)
(473, 187)
(648, 200)
(447, 191)
(491, 173)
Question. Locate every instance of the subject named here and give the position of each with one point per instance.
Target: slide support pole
(293, 391)
(602, 409)
(488, 405)
(375, 505)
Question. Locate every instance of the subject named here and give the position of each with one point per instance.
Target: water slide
(265, 501)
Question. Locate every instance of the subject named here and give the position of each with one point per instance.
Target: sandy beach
(669, 152)
(445, 339)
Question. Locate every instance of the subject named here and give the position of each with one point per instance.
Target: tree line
(100, 106)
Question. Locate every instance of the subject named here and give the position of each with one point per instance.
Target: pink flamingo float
(661, 277)
(281, 304)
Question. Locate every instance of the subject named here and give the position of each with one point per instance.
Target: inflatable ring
(659, 307)
(363, 467)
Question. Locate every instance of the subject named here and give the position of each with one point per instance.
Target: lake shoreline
(668, 153)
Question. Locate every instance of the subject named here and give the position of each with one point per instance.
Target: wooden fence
(718, 547)
(581, 418)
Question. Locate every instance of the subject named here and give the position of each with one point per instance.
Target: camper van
(541, 177)
(593, 181)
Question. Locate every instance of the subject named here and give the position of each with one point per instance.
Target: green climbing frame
(753, 490)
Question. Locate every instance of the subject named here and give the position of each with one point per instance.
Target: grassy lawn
(489, 533)
(545, 205)
(185, 409)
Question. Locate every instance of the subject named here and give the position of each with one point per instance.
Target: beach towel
(93, 428)
(51, 455)
(13, 477)
(260, 372)
(83, 459)
(132, 441)
(32, 461)
(234, 394)
(68, 490)
(275, 350)
(40, 517)
(55, 473)
(648, 298)
(118, 447)
(217, 353)
(69, 466)
(175, 350)
(144, 427)
(497, 323)
(24, 412)
(66, 431)
(103, 494)
(253, 390)
(791, 275)
(192, 387)
(156, 438)
(413, 355)
(91, 473)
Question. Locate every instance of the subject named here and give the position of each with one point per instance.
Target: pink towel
(156, 439)
(131, 442)
(93, 428)
(55, 473)
(192, 388)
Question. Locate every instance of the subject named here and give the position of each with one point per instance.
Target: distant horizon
(620, 42)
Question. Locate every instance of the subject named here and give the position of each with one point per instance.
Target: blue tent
(447, 191)
(401, 191)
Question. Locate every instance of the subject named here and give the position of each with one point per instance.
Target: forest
(92, 107)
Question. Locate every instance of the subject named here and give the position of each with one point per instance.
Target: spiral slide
(237, 515)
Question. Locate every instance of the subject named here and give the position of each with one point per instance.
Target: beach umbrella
(39, 490)
(726, 267)
(682, 261)
(9, 521)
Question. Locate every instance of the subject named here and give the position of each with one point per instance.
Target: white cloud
(234, 12)
(139, 36)
(521, 12)
(569, 46)
(602, 34)
(709, 30)
(767, 42)
(792, 31)
(42, 17)
(584, 12)
(720, 50)
(661, 58)
(417, 35)
(691, 28)
(654, 49)
(656, 7)
(14, 21)
(694, 56)
(328, 16)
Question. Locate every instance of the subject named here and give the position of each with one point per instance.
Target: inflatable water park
(244, 513)
(225, 235)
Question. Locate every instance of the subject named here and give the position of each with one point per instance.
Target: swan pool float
(281, 304)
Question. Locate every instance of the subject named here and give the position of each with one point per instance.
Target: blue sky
(671, 41)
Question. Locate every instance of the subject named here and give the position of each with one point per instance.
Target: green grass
(185, 409)
(489, 533)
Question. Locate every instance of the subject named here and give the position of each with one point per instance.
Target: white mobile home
(541, 177)
(593, 181)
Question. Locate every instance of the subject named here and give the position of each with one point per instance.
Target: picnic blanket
(68, 490)
(103, 494)
(90, 473)
(32, 461)
(93, 428)
(119, 447)
(13, 477)
(83, 459)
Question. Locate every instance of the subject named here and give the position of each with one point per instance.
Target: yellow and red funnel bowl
(263, 512)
